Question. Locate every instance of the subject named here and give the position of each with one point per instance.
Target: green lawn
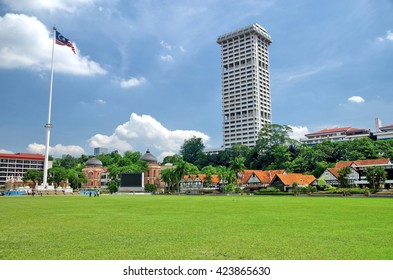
(195, 227)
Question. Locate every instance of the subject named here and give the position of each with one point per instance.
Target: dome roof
(149, 157)
(93, 161)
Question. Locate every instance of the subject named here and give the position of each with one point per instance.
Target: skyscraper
(245, 84)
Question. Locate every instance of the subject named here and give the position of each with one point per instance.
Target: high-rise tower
(245, 84)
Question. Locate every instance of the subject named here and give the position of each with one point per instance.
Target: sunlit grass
(195, 227)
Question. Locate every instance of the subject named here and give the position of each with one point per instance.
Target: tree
(168, 177)
(237, 166)
(362, 148)
(375, 176)
(150, 187)
(192, 149)
(33, 175)
(343, 174)
(223, 174)
(179, 172)
(76, 178)
(322, 183)
(281, 158)
(58, 175)
(172, 159)
(208, 171)
(113, 185)
(270, 137)
(68, 162)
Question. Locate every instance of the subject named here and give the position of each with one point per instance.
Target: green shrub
(329, 188)
(311, 189)
(229, 188)
(349, 191)
(302, 190)
(271, 191)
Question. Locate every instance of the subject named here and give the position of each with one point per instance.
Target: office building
(14, 166)
(246, 103)
(100, 151)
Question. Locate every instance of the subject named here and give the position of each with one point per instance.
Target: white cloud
(100, 101)
(111, 142)
(356, 99)
(165, 45)
(25, 43)
(56, 151)
(387, 37)
(298, 132)
(132, 82)
(165, 154)
(167, 57)
(49, 5)
(3, 151)
(145, 131)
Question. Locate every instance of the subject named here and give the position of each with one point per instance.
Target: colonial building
(257, 179)
(93, 171)
(199, 181)
(358, 168)
(152, 175)
(286, 181)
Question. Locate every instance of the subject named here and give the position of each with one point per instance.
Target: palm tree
(168, 177)
(180, 171)
(237, 166)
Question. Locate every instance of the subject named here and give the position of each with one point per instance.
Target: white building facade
(246, 103)
(14, 166)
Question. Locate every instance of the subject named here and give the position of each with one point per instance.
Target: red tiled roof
(202, 177)
(342, 164)
(363, 162)
(330, 130)
(23, 156)
(372, 161)
(301, 179)
(345, 129)
(265, 177)
(334, 171)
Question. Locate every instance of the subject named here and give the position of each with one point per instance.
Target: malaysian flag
(61, 40)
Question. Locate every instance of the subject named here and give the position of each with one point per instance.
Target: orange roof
(334, 171)
(331, 130)
(265, 177)
(345, 130)
(202, 177)
(342, 164)
(290, 178)
(363, 162)
(372, 161)
(23, 156)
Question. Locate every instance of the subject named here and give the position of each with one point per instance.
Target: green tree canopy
(192, 149)
(375, 176)
(34, 175)
(343, 174)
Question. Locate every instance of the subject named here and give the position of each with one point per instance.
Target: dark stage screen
(131, 180)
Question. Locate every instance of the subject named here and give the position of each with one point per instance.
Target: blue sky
(147, 73)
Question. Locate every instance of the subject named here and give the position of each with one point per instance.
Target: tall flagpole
(48, 125)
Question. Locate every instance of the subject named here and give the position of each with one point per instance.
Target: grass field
(195, 227)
